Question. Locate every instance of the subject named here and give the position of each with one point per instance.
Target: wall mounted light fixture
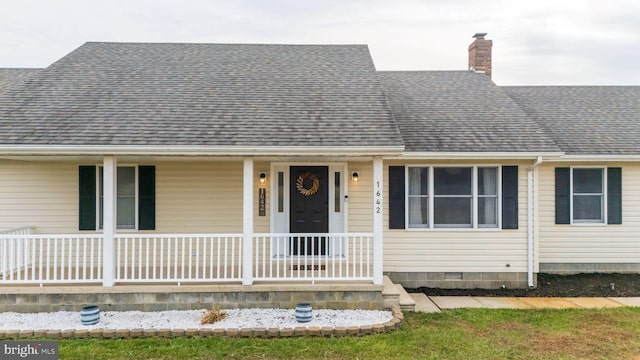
(355, 176)
(263, 177)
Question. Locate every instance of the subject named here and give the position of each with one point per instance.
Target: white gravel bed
(190, 319)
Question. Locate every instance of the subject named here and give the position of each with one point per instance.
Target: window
(280, 191)
(418, 197)
(125, 199)
(453, 197)
(588, 195)
(487, 197)
(337, 200)
(135, 200)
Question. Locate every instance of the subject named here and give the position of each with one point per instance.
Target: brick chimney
(480, 54)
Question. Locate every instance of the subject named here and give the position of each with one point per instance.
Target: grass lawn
(460, 334)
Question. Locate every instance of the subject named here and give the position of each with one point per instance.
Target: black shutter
(614, 196)
(509, 197)
(396, 197)
(562, 196)
(87, 198)
(146, 197)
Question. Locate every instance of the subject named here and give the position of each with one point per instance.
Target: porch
(154, 272)
(270, 244)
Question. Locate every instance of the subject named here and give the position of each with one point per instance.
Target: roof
(585, 120)
(249, 97)
(459, 111)
(203, 95)
(10, 78)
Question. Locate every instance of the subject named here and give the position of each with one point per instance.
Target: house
(238, 168)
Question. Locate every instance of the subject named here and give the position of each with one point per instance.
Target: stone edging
(395, 323)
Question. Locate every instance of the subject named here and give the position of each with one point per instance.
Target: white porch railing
(21, 248)
(178, 258)
(50, 259)
(185, 258)
(311, 257)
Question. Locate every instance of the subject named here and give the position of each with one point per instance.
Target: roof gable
(203, 95)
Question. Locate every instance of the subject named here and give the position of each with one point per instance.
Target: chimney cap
(479, 35)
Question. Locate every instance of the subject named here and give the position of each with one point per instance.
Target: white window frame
(472, 197)
(604, 204)
(497, 196)
(137, 205)
(428, 196)
(474, 202)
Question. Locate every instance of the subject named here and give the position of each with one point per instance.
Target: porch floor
(158, 297)
(303, 286)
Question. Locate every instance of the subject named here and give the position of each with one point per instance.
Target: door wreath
(303, 180)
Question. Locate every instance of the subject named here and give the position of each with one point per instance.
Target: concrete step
(424, 304)
(390, 294)
(406, 302)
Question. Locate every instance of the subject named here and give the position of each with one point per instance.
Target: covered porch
(110, 256)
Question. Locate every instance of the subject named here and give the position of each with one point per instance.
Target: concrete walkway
(438, 303)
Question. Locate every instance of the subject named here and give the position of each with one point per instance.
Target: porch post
(377, 220)
(247, 222)
(110, 169)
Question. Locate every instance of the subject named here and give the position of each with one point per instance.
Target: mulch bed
(580, 285)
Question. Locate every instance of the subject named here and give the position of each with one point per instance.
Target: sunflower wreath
(315, 184)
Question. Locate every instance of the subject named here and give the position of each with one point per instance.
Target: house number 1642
(378, 198)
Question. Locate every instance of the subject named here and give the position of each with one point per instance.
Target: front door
(309, 208)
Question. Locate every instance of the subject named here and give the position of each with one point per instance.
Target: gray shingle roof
(10, 78)
(203, 94)
(586, 120)
(459, 111)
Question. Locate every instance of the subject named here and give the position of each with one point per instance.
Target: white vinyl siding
(360, 215)
(199, 197)
(40, 194)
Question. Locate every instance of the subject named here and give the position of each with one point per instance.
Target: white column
(247, 223)
(377, 220)
(110, 173)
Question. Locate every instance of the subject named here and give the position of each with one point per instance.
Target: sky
(542, 42)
